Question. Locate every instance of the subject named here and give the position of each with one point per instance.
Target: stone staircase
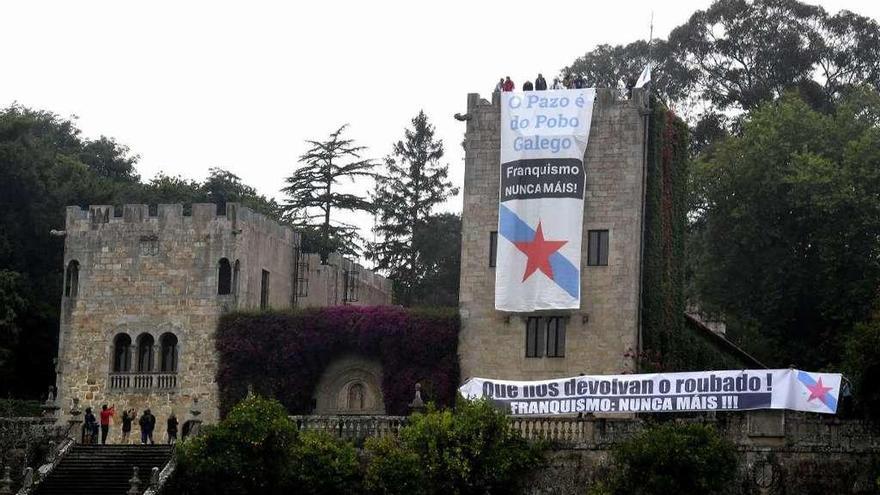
(103, 469)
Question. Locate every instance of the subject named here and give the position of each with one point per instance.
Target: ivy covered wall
(669, 342)
(282, 354)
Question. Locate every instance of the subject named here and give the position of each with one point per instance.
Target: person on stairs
(90, 427)
(172, 429)
(147, 424)
(106, 414)
(127, 418)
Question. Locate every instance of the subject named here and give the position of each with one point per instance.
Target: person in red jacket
(106, 414)
(508, 85)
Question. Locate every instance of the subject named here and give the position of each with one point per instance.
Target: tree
(312, 195)
(414, 184)
(785, 226)
(673, 458)
(45, 165)
(738, 54)
(438, 240)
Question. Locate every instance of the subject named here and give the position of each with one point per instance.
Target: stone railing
(352, 427)
(143, 381)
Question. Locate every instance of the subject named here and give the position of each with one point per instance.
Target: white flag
(644, 77)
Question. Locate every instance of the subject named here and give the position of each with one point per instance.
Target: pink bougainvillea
(282, 354)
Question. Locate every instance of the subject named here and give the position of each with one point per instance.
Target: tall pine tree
(312, 194)
(414, 183)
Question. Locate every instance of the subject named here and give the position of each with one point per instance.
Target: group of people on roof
(540, 84)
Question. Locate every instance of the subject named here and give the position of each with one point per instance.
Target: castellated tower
(596, 337)
(143, 295)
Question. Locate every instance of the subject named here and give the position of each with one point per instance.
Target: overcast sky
(194, 85)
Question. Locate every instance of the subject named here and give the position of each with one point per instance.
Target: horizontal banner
(732, 390)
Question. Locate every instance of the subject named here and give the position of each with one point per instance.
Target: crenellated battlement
(174, 216)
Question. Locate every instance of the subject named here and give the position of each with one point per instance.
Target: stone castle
(144, 292)
(550, 344)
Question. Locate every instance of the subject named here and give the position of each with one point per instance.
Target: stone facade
(143, 295)
(599, 334)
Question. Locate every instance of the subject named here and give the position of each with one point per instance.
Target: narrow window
(71, 281)
(597, 254)
(534, 337)
(264, 290)
(555, 336)
(350, 285)
(145, 353)
(236, 272)
(493, 248)
(122, 353)
(224, 277)
(168, 345)
(302, 276)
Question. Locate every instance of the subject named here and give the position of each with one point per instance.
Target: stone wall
(781, 452)
(600, 333)
(154, 275)
(340, 281)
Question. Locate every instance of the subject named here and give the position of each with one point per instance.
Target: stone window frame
(156, 332)
(595, 236)
(225, 281)
(71, 278)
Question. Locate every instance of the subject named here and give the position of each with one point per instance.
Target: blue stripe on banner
(828, 399)
(565, 274)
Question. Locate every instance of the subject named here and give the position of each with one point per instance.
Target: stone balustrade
(352, 427)
(143, 381)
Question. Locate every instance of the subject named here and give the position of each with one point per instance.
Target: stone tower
(597, 337)
(143, 294)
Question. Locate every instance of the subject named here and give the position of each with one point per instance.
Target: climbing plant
(282, 354)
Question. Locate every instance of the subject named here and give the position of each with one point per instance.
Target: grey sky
(193, 85)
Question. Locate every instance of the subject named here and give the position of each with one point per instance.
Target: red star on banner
(817, 391)
(538, 250)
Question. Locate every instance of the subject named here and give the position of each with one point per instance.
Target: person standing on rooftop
(508, 85)
(540, 83)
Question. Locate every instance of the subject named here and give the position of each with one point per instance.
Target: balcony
(143, 382)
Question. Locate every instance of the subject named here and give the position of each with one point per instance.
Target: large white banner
(734, 390)
(541, 201)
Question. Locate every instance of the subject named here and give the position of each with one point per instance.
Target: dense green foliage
(469, 451)
(313, 193)
(46, 165)
(283, 354)
(16, 408)
(861, 363)
(738, 54)
(257, 449)
(665, 209)
(250, 451)
(785, 228)
(672, 458)
(413, 184)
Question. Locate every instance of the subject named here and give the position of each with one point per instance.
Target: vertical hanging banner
(541, 200)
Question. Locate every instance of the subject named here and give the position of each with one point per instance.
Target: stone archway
(351, 384)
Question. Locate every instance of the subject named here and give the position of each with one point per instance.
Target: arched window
(145, 353)
(71, 280)
(356, 394)
(236, 271)
(224, 280)
(122, 353)
(168, 344)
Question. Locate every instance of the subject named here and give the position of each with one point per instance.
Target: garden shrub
(250, 451)
(17, 408)
(673, 458)
(325, 465)
(282, 354)
(470, 451)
